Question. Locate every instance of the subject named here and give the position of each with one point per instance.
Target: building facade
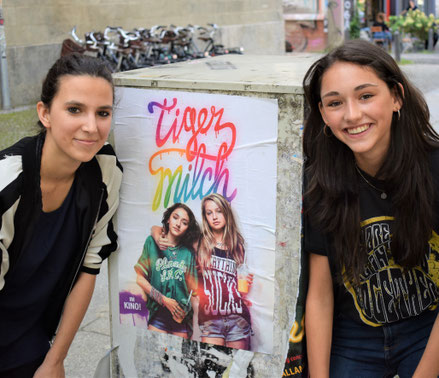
(35, 30)
(318, 25)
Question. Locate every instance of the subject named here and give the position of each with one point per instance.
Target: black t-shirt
(410, 8)
(32, 280)
(386, 293)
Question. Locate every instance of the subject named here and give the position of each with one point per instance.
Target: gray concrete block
(27, 69)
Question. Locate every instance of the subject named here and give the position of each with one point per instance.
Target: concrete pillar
(269, 79)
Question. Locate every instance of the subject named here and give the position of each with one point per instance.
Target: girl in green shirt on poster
(169, 277)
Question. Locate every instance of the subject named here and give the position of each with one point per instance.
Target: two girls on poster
(223, 315)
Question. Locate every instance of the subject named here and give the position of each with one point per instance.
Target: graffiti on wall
(305, 35)
(347, 14)
(334, 22)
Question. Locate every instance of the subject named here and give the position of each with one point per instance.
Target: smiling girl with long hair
(371, 219)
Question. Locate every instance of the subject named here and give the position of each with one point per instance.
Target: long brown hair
(232, 239)
(193, 230)
(331, 198)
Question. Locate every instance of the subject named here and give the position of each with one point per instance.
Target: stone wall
(35, 29)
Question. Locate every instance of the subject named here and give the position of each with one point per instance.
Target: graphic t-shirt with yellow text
(387, 293)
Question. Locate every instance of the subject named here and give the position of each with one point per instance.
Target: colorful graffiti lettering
(203, 169)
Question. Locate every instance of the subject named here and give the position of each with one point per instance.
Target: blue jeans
(362, 351)
(230, 328)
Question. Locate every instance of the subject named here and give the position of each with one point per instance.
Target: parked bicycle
(125, 50)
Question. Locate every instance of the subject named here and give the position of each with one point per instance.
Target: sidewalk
(426, 57)
(424, 73)
(92, 340)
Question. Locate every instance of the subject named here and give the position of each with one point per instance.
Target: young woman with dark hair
(169, 276)
(385, 33)
(58, 193)
(370, 216)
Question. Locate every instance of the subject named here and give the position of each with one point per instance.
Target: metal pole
(347, 16)
(5, 80)
(430, 39)
(397, 44)
(6, 97)
(398, 7)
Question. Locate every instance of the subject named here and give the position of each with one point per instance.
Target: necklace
(220, 244)
(174, 251)
(383, 193)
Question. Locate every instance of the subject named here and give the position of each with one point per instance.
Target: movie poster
(177, 148)
(296, 362)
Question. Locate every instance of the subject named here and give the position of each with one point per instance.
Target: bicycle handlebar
(126, 35)
(75, 37)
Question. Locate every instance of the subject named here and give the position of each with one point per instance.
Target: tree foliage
(415, 23)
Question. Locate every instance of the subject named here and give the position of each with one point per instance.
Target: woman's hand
(164, 243)
(48, 370)
(247, 302)
(174, 308)
(244, 294)
(250, 280)
(429, 364)
(160, 238)
(74, 311)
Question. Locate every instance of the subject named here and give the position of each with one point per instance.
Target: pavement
(424, 73)
(92, 341)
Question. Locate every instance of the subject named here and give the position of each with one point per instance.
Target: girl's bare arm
(319, 314)
(429, 364)
(159, 238)
(170, 304)
(76, 306)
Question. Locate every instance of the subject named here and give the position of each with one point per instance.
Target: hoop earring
(327, 133)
